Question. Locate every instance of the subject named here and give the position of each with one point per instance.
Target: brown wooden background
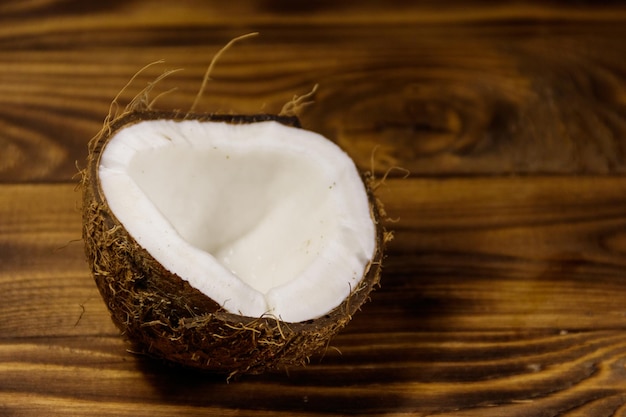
(504, 291)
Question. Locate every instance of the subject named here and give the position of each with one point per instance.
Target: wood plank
(443, 92)
(43, 273)
(137, 13)
(534, 246)
(473, 242)
(558, 373)
(498, 291)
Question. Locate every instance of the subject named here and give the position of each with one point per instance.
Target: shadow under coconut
(304, 390)
(389, 341)
(270, 391)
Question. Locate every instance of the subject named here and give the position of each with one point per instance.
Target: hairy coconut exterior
(167, 318)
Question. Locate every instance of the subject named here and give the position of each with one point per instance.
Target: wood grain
(503, 290)
(471, 313)
(500, 90)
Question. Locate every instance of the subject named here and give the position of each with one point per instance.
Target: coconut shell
(163, 316)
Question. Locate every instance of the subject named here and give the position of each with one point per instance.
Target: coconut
(230, 243)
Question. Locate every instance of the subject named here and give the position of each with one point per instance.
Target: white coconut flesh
(263, 218)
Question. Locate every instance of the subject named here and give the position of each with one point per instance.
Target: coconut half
(229, 243)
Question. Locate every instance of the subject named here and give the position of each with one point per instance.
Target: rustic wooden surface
(504, 291)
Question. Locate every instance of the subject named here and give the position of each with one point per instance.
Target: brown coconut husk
(163, 316)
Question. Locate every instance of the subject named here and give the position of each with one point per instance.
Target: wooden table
(503, 293)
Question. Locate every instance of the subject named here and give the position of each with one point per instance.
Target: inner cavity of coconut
(263, 218)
